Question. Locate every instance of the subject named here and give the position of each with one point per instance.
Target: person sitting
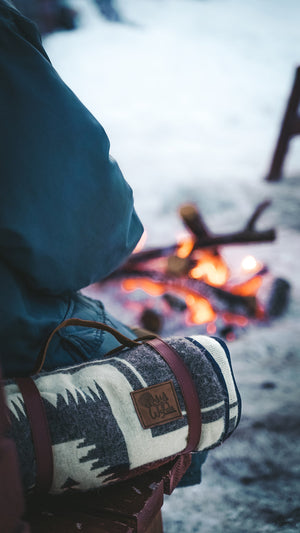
(67, 216)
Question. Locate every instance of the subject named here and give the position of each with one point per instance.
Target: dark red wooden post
(289, 128)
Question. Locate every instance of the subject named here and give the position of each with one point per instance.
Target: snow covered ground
(191, 94)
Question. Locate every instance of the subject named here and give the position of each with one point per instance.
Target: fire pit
(189, 286)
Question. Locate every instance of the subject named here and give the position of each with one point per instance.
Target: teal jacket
(67, 217)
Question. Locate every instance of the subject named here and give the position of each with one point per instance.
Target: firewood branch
(257, 213)
(204, 238)
(194, 221)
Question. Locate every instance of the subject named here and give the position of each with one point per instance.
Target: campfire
(190, 284)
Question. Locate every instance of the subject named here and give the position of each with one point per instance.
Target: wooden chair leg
(156, 526)
(289, 128)
(11, 496)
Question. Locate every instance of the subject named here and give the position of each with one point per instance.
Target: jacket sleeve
(67, 216)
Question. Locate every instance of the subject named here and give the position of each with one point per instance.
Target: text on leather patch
(157, 404)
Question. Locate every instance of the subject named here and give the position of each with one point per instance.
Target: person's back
(66, 218)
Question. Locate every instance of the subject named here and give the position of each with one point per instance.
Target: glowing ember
(237, 320)
(185, 247)
(151, 287)
(211, 268)
(250, 264)
(248, 288)
(200, 310)
(211, 328)
(208, 266)
(230, 336)
(189, 282)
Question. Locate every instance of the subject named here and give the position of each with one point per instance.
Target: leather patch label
(157, 404)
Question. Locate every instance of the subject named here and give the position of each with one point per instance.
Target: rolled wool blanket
(97, 430)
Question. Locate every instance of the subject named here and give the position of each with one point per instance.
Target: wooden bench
(132, 506)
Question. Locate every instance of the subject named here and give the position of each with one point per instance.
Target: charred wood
(220, 299)
(204, 238)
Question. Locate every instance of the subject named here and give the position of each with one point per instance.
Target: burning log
(220, 299)
(175, 302)
(152, 253)
(191, 277)
(204, 238)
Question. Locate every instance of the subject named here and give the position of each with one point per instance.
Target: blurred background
(190, 92)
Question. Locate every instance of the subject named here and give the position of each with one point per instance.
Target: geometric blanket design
(96, 432)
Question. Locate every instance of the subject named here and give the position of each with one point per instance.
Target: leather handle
(124, 341)
(40, 433)
(188, 389)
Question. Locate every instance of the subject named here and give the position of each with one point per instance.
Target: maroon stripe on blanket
(40, 433)
(188, 389)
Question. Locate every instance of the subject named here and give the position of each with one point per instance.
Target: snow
(191, 94)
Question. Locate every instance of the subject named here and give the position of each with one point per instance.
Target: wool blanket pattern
(95, 430)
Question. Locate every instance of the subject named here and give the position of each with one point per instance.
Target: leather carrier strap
(124, 341)
(171, 357)
(188, 389)
(36, 410)
(40, 433)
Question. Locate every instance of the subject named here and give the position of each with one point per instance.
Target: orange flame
(200, 310)
(151, 287)
(248, 288)
(185, 247)
(211, 268)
